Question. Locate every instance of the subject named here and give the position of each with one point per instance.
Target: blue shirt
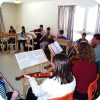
(97, 53)
(59, 37)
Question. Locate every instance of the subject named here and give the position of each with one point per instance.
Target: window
(85, 18)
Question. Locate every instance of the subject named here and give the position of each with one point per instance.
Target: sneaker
(18, 50)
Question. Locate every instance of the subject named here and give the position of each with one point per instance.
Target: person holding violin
(61, 84)
(96, 42)
(84, 70)
(11, 31)
(61, 36)
(22, 38)
(46, 39)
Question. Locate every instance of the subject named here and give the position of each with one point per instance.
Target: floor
(10, 69)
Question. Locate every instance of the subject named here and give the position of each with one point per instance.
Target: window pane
(91, 19)
(76, 36)
(79, 18)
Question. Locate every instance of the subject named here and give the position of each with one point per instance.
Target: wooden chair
(64, 43)
(66, 97)
(29, 37)
(12, 36)
(92, 88)
(1, 44)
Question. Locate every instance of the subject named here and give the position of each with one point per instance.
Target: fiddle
(37, 75)
(46, 67)
(36, 30)
(74, 59)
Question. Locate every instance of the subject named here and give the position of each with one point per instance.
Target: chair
(1, 44)
(92, 88)
(66, 97)
(52, 36)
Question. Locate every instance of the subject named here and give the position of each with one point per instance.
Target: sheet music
(55, 48)
(30, 58)
(58, 46)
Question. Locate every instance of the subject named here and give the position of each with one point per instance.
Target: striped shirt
(97, 53)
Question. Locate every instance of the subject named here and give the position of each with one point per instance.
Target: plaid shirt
(2, 92)
(97, 53)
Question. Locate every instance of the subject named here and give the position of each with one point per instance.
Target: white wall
(9, 15)
(33, 14)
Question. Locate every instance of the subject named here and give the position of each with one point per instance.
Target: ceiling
(24, 1)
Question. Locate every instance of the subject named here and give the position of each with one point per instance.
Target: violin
(46, 67)
(36, 30)
(37, 75)
(74, 59)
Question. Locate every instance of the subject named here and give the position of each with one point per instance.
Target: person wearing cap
(22, 38)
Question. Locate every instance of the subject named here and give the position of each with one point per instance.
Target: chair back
(92, 88)
(52, 36)
(66, 97)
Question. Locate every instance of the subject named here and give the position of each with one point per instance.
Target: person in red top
(84, 70)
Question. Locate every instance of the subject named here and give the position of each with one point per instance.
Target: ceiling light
(98, 1)
(17, 1)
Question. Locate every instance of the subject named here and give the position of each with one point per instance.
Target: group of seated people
(67, 78)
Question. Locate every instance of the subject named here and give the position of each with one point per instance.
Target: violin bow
(16, 27)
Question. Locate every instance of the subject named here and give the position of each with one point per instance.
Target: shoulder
(65, 38)
(58, 37)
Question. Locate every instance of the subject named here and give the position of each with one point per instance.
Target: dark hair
(61, 32)
(48, 28)
(85, 50)
(11, 27)
(62, 68)
(97, 36)
(84, 33)
(41, 25)
(23, 27)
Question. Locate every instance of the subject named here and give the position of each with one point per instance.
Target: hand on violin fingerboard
(26, 76)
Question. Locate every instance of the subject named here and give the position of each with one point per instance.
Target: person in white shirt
(61, 84)
(22, 38)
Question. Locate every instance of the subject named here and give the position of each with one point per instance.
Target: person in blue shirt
(61, 36)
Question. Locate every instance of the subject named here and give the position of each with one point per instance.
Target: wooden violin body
(37, 75)
(36, 30)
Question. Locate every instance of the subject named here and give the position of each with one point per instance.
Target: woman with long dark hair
(60, 85)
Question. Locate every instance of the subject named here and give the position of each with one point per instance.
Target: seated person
(46, 39)
(61, 33)
(61, 84)
(0, 46)
(40, 34)
(11, 31)
(84, 70)
(78, 41)
(83, 38)
(7, 96)
(22, 38)
(96, 42)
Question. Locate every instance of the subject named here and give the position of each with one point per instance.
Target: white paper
(30, 58)
(58, 46)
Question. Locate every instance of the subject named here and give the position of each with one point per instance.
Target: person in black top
(83, 38)
(12, 31)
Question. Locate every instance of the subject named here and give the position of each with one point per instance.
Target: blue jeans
(23, 42)
(11, 39)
